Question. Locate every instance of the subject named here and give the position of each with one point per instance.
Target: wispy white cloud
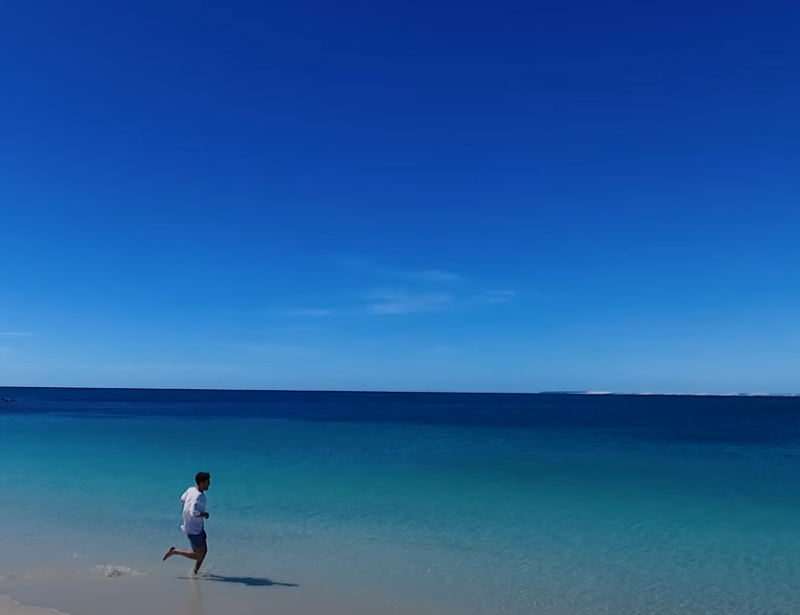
(385, 301)
(308, 312)
(430, 290)
(494, 297)
(356, 263)
(431, 276)
(434, 276)
(17, 334)
(284, 350)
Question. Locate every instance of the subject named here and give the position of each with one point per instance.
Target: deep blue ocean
(452, 503)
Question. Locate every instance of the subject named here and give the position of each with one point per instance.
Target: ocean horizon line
(409, 392)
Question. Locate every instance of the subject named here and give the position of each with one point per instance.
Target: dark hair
(202, 477)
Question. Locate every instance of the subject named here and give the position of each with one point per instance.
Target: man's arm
(199, 508)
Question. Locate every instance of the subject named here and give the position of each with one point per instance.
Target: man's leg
(200, 555)
(173, 551)
(198, 552)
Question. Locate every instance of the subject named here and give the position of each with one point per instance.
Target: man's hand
(205, 515)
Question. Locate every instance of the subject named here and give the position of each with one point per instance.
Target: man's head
(203, 480)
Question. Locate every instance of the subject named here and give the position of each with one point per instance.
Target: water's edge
(9, 606)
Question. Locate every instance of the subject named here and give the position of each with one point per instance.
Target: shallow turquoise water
(474, 519)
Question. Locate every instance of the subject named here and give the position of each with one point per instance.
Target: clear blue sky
(443, 195)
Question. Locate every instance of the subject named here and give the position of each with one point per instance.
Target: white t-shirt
(194, 505)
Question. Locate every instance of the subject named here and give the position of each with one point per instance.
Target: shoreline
(80, 594)
(9, 606)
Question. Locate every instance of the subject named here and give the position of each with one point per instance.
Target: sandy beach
(11, 607)
(136, 598)
(82, 593)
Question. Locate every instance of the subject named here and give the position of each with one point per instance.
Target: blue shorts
(198, 541)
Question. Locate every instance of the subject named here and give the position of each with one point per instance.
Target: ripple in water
(111, 571)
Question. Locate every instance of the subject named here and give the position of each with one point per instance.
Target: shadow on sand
(249, 581)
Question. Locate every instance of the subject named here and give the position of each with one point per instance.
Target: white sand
(135, 595)
(11, 607)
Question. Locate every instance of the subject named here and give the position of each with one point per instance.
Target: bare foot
(168, 554)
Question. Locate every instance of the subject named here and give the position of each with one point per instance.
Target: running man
(194, 514)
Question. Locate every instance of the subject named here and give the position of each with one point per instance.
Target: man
(194, 514)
